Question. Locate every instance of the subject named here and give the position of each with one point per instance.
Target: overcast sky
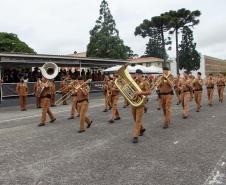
(62, 26)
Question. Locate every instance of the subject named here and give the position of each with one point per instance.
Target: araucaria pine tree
(104, 37)
(188, 55)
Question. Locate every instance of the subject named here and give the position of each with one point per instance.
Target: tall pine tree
(104, 37)
(188, 55)
(154, 47)
(155, 29)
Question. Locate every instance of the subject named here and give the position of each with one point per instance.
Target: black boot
(135, 140)
(89, 124)
(111, 121)
(41, 125)
(142, 131)
(81, 131)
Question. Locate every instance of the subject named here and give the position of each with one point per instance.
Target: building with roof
(208, 65)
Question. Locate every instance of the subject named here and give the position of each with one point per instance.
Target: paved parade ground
(190, 152)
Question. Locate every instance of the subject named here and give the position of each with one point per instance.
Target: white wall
(201, 69)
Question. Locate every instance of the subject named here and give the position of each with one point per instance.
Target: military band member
(176, 88)
(146, 100)
(83, 103)
(158, 98)
(64, 89)
(107, 98)
(115, 97)
(220, 87)
(197, 87)
(165, 86)
(185, 86)
(126, 103)
(74, 96)
(46, 102)
(22, 91)
(53, 93)
(1, 82)
(138, 112)
(192, 78)
(210, 89)
(36, 92)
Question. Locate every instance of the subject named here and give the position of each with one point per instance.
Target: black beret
(139, 71)
(165, 68)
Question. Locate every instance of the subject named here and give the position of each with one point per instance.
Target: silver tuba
(49, 71)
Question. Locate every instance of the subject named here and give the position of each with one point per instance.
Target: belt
(210, 87)
(168, 93)
(197, 89)
(80, 101)
(47, 96)
(220, 85)
(185, 91)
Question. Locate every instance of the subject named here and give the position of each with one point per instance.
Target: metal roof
(62, 60)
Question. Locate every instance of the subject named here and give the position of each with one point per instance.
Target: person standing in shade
(22, 91)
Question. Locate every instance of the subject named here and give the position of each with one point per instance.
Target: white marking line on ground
(216, 177)
(175, 142)
(38, 115)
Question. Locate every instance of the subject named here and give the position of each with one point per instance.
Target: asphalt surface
(190, 152)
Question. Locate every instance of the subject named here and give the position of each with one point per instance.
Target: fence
(9, 89)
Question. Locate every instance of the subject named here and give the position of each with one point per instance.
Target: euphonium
(128, 87)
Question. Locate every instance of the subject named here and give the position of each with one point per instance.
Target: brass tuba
(128, 87)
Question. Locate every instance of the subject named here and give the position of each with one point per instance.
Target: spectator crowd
(14, 75)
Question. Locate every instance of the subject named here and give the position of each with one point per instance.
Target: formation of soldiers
(186, 88)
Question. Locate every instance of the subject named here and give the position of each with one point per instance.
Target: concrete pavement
(190, 152)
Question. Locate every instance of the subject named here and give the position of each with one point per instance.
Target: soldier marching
(77, 90)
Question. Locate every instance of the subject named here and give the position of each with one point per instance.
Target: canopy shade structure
(155, 70)
(132, 69)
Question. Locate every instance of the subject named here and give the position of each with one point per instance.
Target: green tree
(9, 42)
(178, 20)
(154, 47)
(104, 37)
(188, 55)
(155, 30)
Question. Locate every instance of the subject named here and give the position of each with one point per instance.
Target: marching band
(135, 88)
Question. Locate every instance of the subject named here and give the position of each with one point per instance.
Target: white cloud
(60, 27)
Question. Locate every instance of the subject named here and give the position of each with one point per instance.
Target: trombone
(69, 94)
(159, 79)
